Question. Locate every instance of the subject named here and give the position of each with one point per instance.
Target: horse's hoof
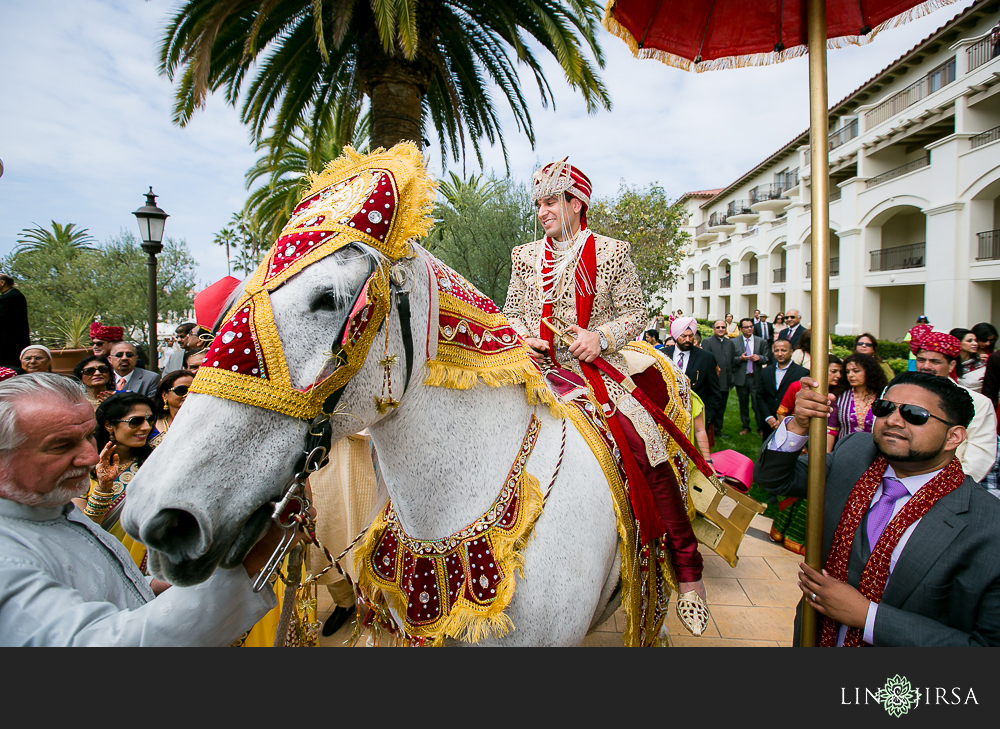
(693, 612)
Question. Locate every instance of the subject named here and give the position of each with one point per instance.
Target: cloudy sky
(85, 123)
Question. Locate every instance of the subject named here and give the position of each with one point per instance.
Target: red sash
(876, 571)
(585, 276)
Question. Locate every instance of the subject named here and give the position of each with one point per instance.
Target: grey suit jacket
(144, 382)
(945, 588)
(740, 368)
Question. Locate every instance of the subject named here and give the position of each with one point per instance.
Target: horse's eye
(329, 301)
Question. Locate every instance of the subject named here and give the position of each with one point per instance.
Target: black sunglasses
(180, 390)
(90, 371)
(912, 414)
(119, 355)
(136, 420)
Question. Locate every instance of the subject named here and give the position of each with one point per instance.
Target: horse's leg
(611, 595)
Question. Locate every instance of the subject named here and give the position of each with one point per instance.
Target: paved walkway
(751, 605)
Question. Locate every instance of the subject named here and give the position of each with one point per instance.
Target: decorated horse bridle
(292, 510)
(382, 200)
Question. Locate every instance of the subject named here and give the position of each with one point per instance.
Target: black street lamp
(151, 220)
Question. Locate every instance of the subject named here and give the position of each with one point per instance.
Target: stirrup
(693, 612)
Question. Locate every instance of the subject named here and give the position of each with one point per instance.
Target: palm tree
(284, 167)
(62, 239)
(417, 61)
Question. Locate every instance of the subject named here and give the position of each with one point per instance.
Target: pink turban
(681, 324)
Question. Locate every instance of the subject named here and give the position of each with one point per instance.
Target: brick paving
(752, 604)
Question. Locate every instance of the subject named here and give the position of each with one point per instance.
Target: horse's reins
(292, 509)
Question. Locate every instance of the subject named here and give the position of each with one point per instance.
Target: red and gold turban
(923, 336)
(556, 178)
(105, 334)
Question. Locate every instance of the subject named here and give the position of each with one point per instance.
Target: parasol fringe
(760, 59)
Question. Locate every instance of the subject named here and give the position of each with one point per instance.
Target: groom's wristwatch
(604, 340)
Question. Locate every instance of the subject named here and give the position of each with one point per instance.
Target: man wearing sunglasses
(910, 542)
(128, 376)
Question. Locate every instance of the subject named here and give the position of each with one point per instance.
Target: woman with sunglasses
(779, 323)
(867, 344)
(852, 411)
(124, 422)
(970, 367)
(169, 398)
(95, 374)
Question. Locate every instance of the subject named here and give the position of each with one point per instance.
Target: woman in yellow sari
(124, 422)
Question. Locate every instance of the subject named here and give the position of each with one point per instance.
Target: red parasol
(208, 303)
(715, 34)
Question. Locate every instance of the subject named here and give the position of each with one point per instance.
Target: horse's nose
(177, 533)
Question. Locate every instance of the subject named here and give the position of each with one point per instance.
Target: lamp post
(151, 221)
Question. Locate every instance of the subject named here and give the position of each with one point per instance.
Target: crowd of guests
(765, 364)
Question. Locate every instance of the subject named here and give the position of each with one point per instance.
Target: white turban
(37, 346)
(681, 324)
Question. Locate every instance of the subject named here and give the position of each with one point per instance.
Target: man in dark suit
(793, 331)
(750, 356)
(765, 330)
(128, 376)
(721, 347)
(697, 364)
(775, 379)
(14, 332)
(896, 576)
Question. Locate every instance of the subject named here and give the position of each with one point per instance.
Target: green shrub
(898, 364)
(886, 350)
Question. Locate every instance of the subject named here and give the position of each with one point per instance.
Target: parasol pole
(820, 198)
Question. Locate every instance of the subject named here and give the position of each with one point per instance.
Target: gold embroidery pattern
(459, 586)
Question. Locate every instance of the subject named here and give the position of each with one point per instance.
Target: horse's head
(313, 332)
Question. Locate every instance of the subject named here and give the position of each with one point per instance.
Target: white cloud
(85, 123)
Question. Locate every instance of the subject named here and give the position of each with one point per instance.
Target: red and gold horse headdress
(382, 200)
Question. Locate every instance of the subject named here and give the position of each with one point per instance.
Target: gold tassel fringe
(759, 59)
(456, 377)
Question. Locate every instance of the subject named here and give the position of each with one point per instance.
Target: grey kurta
(66, 582)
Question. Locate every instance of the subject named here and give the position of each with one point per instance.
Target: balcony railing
(774, 191)
(690, 285)
(893, 259)
(739, 207)
(834, 267)
(934, 80)
(990, 135)
(725, 282)
(836, 139)
(750, 279)
(981, 52)
(989, 245)
(779, 275)
(706, 284)
(716, 219)
(703, 228)
(789, 179)
(898, 171)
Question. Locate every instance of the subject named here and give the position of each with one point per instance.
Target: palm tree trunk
(396, 111)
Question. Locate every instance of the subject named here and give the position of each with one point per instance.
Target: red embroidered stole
(585, 277)
(876, 571)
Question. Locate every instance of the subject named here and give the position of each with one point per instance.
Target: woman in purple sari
(852, 412)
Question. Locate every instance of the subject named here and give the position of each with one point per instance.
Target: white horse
(205, 494)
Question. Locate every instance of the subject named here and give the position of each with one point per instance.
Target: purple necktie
(881, 513)
(749, 354)
(680, 362)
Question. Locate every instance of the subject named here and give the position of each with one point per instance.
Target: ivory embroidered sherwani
(619, 311)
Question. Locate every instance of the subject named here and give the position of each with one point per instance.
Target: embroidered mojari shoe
(693, 612)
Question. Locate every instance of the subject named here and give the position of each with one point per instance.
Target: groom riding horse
(589, 282)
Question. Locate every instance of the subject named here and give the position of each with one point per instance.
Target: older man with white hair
(63, 580)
